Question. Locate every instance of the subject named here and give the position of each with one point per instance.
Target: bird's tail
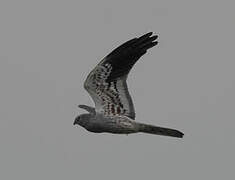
(159, 130)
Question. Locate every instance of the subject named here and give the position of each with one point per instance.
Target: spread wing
(106, 83)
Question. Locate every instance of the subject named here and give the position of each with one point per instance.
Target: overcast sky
(186, 82)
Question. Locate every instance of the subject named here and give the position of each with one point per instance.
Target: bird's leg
(87, 108)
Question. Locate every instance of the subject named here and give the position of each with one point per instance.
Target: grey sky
(187, 82)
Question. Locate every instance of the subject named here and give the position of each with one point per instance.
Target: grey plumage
(114, 110)
(88, 109)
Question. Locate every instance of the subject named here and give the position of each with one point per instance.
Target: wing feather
(106, 83)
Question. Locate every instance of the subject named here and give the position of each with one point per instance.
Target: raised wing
(107, 82)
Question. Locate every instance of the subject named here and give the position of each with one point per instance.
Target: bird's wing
(106, 83)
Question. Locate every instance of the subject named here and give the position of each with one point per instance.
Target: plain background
(187, 82)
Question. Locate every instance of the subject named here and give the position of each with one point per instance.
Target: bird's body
(123, 125)
(114, 110)
(116, 124)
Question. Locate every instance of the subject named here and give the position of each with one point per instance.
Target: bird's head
(82, 119)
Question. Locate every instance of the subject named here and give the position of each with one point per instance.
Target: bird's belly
(113, 126)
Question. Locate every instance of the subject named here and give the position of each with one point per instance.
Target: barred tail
(160, 131)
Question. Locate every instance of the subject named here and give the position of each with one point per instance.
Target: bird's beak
(75, 122)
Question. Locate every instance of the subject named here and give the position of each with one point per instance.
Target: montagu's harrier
(114, 110)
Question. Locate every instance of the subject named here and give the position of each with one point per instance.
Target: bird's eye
(78, 119)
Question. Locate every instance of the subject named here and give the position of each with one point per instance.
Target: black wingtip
(146, 41)
(123, 58)
(146, 35)
(180, 134)
(175, 133)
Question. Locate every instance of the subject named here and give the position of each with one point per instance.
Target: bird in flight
(114, 110)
